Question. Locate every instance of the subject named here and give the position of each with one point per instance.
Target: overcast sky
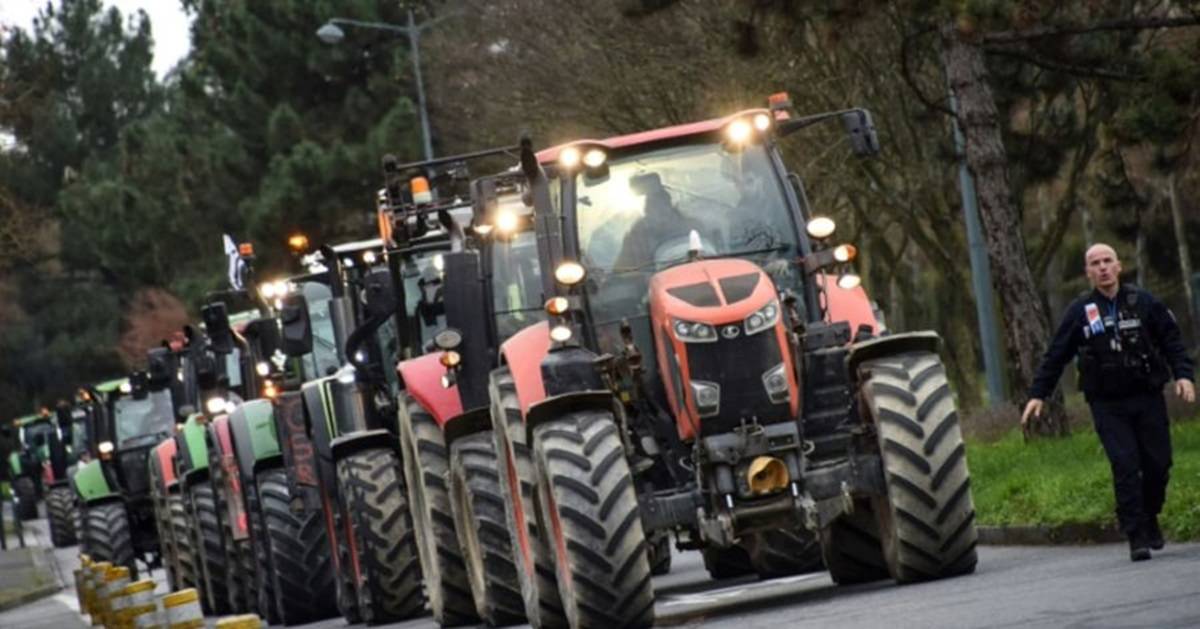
(168, 22)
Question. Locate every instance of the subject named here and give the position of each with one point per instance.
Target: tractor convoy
(544, 371)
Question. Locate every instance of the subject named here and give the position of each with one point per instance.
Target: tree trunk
(1139, 252)
(1185, 260)
(1027, 328)
(1089, 228)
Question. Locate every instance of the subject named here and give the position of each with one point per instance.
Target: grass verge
(1061, 481)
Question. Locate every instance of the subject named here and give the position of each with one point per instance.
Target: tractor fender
(255, 440)
(422, 379)
(164, 454)
(194, 450)
(14, 464)
(347, 445)
(298, 451)
(556, 406)
(523, 353)
(890, 345)
(473, 421)
(852, 306)
(90, 483)
(225, 457)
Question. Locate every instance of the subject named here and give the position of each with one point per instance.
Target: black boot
(1139, 548)
(1153, 534)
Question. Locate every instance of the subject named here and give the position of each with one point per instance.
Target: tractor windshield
(423, 273)
(38, 433)
(516, 283)
(638, 218)
(150, 415)
(79, 436)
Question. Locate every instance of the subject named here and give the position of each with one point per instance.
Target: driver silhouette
(661, 221)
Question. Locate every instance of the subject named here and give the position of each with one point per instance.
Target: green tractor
(113, 488)
(62, 509)
(27, 464)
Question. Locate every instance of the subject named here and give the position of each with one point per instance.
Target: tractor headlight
(738, 131)
(560, 333)
(845, 253)
(506, 221)
(569, 157)
(215, 405)
(849, 281)
(126, 387)
(775, 381)
(692, 332)
(820, 227)
(569, 273)
(263, 368)
(105, 447)
(594, 158)
(764, 318)
(707, 396)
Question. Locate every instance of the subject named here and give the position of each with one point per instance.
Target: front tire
(213, 564)
(184, 541)
(851, 546)
(590, 508)
(531, 551)
(727, 563)
(27, 500)
(482, 531)
(379, 519)
(784, 552)
(928, 523)
(108, 535)
(426, 467)
(60, 510)
(300, 557)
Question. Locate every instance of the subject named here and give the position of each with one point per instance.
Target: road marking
(715, 596)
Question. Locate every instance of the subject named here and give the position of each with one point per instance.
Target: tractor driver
(660, 222)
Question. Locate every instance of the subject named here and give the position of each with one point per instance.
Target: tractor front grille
(738, 365)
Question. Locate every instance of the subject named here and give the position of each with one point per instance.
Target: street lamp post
(332, 33)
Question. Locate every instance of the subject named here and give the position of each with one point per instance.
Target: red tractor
(712, 369)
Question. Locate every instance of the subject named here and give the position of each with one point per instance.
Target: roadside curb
(41, 560)
(1072, 534)
(29, 596)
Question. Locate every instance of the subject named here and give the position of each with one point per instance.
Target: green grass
(1059, 481)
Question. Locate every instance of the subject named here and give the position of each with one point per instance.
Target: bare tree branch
(1135, 24)
(1079, 71)
(906, 72)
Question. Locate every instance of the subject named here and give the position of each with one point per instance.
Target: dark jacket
(1159, 323)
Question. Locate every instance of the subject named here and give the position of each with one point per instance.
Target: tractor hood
(710, 291)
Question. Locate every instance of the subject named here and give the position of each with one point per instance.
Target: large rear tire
(213, 566)
(590, 509)
(482, 530)
(928, 525)
(851, 546)
(183, 538)
(426, 467)
(260, 559)
(26, 494)
(300, 557)
(531, 550)
(60, 510)
(390, 586)
(108, 535)
(784, 552)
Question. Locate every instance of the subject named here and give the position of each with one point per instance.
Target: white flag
(235, 263)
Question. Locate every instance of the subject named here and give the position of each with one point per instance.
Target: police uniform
(1128, 348)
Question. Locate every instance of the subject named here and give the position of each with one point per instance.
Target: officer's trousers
(1136, 436)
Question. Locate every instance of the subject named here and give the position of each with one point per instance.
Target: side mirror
(297, 329)
(160, 367)
(861, 129)
(216, 322)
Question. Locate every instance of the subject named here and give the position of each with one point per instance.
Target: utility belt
(1106, 374)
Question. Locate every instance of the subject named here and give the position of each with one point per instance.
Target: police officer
(1129, 346)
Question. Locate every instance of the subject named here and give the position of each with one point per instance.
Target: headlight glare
(569, 273)
(820, 227)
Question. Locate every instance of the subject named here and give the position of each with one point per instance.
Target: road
(1093, 586)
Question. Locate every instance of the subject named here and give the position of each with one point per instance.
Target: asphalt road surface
(1092, 586)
